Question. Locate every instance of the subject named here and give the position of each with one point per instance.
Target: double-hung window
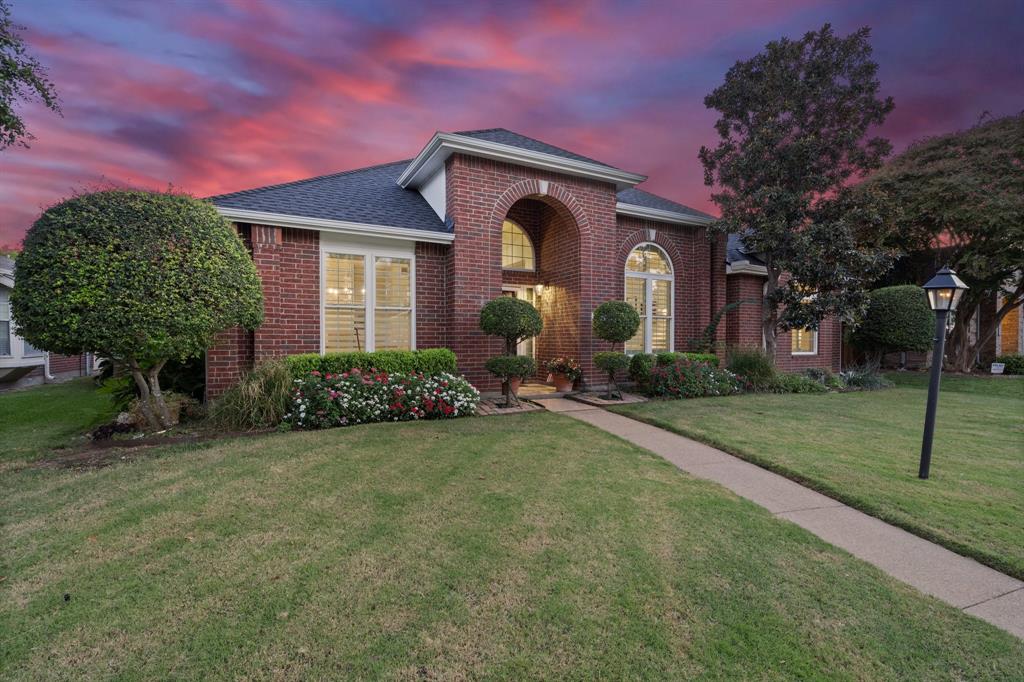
(368, 301)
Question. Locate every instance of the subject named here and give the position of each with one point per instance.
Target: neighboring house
(404, 255)
(20, 363)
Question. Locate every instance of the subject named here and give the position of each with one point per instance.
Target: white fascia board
(661, 216)
(745, 267)
(338, 226)
(443, 145)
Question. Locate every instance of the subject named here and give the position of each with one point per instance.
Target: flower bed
(688, 379)
(322, 401)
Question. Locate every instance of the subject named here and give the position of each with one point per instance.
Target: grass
(35, 420)
(863, 449)
(520, 547)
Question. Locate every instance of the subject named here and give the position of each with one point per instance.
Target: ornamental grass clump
(321, 401)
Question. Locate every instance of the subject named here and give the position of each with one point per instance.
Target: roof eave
(660, 215)
(745, 267)
(338, 226)
(443, 145)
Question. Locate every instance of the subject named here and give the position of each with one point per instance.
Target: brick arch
(638, 237)
(556, 196)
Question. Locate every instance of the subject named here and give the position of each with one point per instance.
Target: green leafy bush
(428, 361)
(567, 366)
(897, 319)
(784, 382)
(143, 277)
(824, 376)
(512, 319)
(1014, 363)
(507, 367)
(753, 365)
(615, 321)
(640, 366)
(611, 362)
(687, 379)
(864, 378)
(319, 401)
(259, 401)
(666, 358)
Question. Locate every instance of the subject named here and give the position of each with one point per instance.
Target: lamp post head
(944, 290)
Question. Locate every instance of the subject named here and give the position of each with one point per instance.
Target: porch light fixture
(944, 291)
(539, 288)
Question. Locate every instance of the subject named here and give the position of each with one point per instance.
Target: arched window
(516, 248)
(649, 289)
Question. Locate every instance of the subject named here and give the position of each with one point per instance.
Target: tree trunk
(770, 315)
(144, 402)
(158, 396)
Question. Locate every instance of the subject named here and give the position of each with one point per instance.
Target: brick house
(404, 255)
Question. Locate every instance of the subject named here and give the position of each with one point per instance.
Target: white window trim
(804, 352)
(369, 252)
(648, 320)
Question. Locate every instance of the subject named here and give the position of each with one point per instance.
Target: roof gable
(507, 137)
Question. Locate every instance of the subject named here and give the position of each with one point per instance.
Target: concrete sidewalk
(962, 582)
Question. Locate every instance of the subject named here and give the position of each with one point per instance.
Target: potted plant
(513, 320)
(614, 322)
(563, 372)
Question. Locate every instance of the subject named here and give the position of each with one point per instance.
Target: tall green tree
(792, 134)
(21, 78)
(961, 198)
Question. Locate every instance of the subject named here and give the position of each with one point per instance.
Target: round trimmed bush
(897, 319)
(507, 367)
(611, 362)
(615, 321)
(142, 277)
(512, 319)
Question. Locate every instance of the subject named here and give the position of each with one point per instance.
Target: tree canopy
(792, 133)
(961, 197)
(512, 319)
(21, 78)
(140, 277)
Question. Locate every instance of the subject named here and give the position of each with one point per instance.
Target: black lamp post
(944, 291)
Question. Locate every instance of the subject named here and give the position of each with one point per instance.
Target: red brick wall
(431, 277)
(289, 265)
(61, 364)
(743, 328)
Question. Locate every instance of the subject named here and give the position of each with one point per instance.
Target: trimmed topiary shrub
(511, 319)
(897, 319)
(509, 367)
(428, 361)
(1014, 363)
(141, 277)
(754, 366)
(611, 362)
(667, 358)
(615, 321)
(640, 366)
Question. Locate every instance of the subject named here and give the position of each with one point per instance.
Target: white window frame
(529, 239)
(370, 250)
(648, 320)
(804, 352)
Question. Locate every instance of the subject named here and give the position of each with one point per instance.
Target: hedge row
(430, 362)
(641, 364)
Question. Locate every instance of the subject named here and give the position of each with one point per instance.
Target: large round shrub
(615, 321)
(897, 319)
(512, 319)
(138, 276)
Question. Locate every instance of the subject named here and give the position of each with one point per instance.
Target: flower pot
(563, 384)
(514, 384)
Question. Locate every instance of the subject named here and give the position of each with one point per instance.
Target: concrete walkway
(962, 582)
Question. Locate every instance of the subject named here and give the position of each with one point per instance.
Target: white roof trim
(745, 267)
(660, 215)
(443, 145)
(338, 226)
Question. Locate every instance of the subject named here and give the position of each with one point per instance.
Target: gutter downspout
(46, 369)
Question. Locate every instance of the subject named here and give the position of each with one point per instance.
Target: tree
(141, 277)
(961, 199)
(792, 128)
(898, 318)
(614, 322)
(21, 78)
(513, 320)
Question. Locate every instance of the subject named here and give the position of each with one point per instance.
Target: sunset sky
(212, 97)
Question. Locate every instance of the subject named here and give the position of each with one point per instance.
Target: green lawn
(35, 420)
(521, 547)
(863, 448)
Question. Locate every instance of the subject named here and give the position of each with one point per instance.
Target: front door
(529, 294)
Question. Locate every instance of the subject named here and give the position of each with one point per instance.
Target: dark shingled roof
(365, 195)
(638, 197)
(736, 251)
(502, 136)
